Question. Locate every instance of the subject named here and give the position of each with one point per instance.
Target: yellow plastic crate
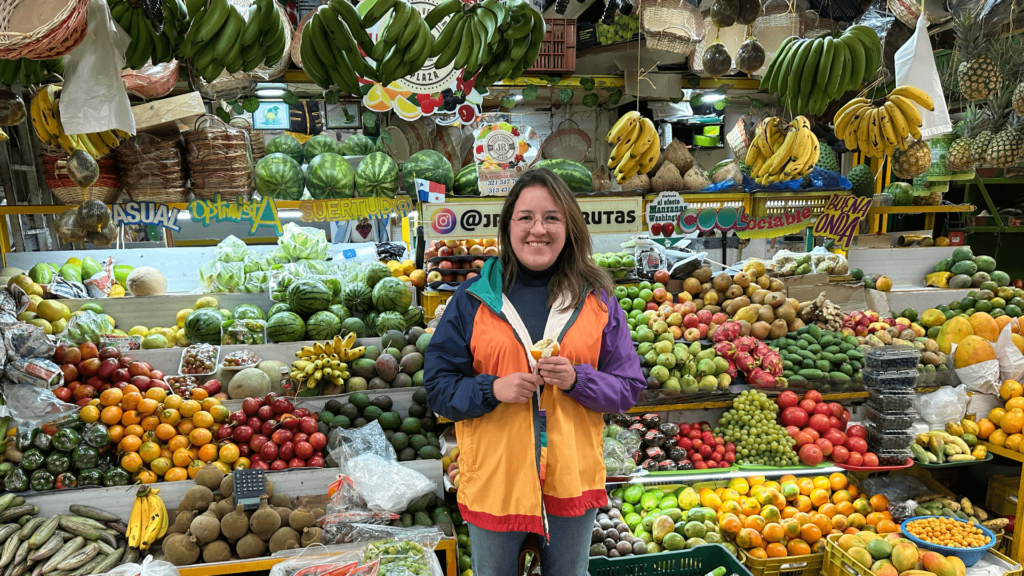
(765, 203)
(804, 565)
(839, 563)
(1002, 494)
(431, 300)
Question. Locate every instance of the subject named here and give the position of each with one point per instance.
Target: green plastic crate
(697, 561)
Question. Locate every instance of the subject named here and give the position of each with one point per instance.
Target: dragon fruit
(745, 362)
(760, 350)
(726, 350)
(727, 332)
(772, 362)
(746, 343)
(758, 378)
(731, 370)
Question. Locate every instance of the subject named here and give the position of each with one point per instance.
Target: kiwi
(227, 485)
(284, 513)
(197, 498)
(235, 525)
(206, 527)
(265, 521)
(216, 551)
(225, 507)
(301, 518)
(281, 500)
(182, 521)
(284, 539)
(251, 546)
(314, 535)
(209, 476)
(181, 549)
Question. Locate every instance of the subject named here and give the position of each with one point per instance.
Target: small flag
(428, 191)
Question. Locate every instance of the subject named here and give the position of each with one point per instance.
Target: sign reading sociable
(669, 216)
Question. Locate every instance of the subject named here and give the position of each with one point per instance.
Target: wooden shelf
(1004, 452)
(921, 209)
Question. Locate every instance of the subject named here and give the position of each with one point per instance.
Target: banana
(907, 108)
(98, 144)
(441, 11)
(796, 70)
(643, 142)
(875, 137)
(899, 123)
(376, 12)
(845, 117)
(864, 132)
(890, 140)
(622, 127)
(916, 95)
(251, 30)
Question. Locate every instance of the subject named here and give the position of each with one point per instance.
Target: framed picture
(271, 115)
(343, 115)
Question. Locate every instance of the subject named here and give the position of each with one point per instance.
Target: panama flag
(428, 191)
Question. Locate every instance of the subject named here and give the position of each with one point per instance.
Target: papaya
(848, 541)
(953, 331)
(937, 564)
(958, 565)
(984, 325)
(933, 317)
(972, 350)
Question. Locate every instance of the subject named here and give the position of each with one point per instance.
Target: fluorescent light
(708, 98)
(289, 213)
(270, 93)
(519, 96)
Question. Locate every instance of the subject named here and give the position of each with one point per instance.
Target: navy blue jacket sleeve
(452, 389)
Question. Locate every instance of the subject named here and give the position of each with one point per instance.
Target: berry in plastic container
(892, 457)
(884, 421)
(895, 400)
(890, 380)
(879, 440)
(891, 358)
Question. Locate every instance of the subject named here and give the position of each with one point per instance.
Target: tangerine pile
(164, 436)
(948, 532)
(792, 516)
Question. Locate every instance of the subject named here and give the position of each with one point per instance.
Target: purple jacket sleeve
(616, 383)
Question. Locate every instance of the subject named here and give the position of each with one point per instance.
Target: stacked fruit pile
(665, 520)
(684, 368)
(1004, 425)
(274, 435)
(413, 437)
(812, 357)
(750, 425)
(782, 151)
(953, 444)
(669, 446)
(894, 554)
(822, 430)
(965, 270)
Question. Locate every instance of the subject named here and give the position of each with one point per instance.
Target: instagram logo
(443, 221)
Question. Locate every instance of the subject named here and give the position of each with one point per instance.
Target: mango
(879, 548)
(938, 565)
(862, 556)
(904, 557)
(688, 499)
(848, 541)
(885, 569)
(907, 573)
(866, 536)
(663, 526)
(958, 565)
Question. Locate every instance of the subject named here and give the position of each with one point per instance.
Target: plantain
(966, 506)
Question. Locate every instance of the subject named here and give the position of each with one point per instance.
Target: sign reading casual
(146, 213)
(480, 219)
(258, 213)
(345, 209)
(670, 216)
(841, 219)
(500, 151)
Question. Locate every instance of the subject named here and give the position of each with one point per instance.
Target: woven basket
(256, 144)
(296, 40)
(219, 159)
(776, 23)
(152, 169)
(107, 187)
(671, 25)
(908, 12)
(61, 34)
(569, 143)
(741, 135)
(815, 25)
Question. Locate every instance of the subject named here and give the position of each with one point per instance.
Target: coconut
(716, 60)
(301, 518)
(730, 171)
(695, 179)
(750, 56)
(638, 182)
(678, 155)
(667, 179)
(146, 281)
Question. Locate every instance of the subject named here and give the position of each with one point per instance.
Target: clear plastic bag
(344, 444)
(151, 82)
(149, 567)
(946, 404)
(217, 276)
(346, 508)
(386, 484)
(27, 341)
(86, 327)
(28, 404)
(255, 282)
(231, 249)
(303, 243)
(401, 551)
(317, 561)
(825, 262)
(787, 263)
(618, 451)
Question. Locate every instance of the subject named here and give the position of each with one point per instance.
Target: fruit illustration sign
(841, 218)
(669, 216)
(502, 154)
(479, 219)
(429, 90)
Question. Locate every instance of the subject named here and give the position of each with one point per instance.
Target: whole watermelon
(572, 173)
(466, 182)
(376, 272)
(308, 296)
(391, 294)
(319, 144)
(357, 297)
(413, 316)
(389, 320)
(203, 326)
(329, 175)
(322, 326)
(287, 145)
(377, 176)
(357, 145)
(902, 193)
(280, 177)
(427, 165)
(286, 327)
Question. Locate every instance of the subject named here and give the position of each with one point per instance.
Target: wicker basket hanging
(219, 160)
(671, 25)
(152, 169)
(22, 37)
(106, 189)
(776, 23)
(567, 142)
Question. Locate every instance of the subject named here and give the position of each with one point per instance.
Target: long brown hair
(576, 274)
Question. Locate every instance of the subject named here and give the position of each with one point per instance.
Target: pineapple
(980, 144)
(913, 161)
(1018, 99)
(959, 157)
(1005, 147)
(976, 72)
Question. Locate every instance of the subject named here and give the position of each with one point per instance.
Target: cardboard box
(873, 241)
(163, 115)
(848, 297)
(804, 280)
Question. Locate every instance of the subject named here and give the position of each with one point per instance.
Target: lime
(465, 562)
(92, 307)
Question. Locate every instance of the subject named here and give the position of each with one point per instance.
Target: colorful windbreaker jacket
(518, 462)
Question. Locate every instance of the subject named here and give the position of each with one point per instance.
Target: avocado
(382, 402)
(406, 519)
(325, 417)
(417, 410)
(430, 453)
(388, 434)
(333, 406)
(417, 441)
(359, 422)
(389, 420)
(341, 421)
(407, 454)
(371, 413)
(360, 400)
(411, 425)
(349, 410)
(422, 519)
(420, 504)
(420, 396)
(399, 441)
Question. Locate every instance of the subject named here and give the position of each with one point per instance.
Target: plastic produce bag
(947, 404)
(217, 276)
(825, 262)
(386, 484)
(317, 561)
(401, 551)
(915, 66)
(231, 249)
(619, 446)
(38, 406)
(896, 488)
(1011, 361)
(149, 567)
(151, 82)
(787, 263)
(299, 242)
(981, 377)
(86, 327)
(94, 98)
(346, 508)
(344, 444)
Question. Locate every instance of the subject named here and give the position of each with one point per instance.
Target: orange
(887, 527)
(202, 419)
(189, 407)
(806, 486)
(755, 523)
(208, 452)
(194, 467)
(177, 443)
(985, 428)
(751, 506)
(146, 477)
(131, 389)
(758, 553)
(730, 525)
(131, 462)
(158, 394)
(857, 520)
(802, 518)
(186, 427)
(845, 508)
(854, 491)
(173, 401)
(791, 528)
(996, 414)
(819, 497)
(149, 423)
(822, 522)
(200, 437)
(209, 403)
(810, 533)
(838, 481)
(161, 466)
(879, 503)
(241, 464)
(874, 518)
(851, 530)
(1015, 402)
(221, 466)
(176, 474)
(787, 478)
(130, 400)
(1013, 421)
(111, 397)
(756, 480)
(198, 394)
(134, 430)
(798, 548)
(148, 406)
(998, 437)
(771, 514)
(130, 417)
(129, 444)
(89, 414)
(110, 415)
(766, 497)
(165, 432)
(776, 550)
(182, 457)
(773, 532)
(842, 496)
(728, 494)
(748, 538)
(116, 433)
(149, 451)
(862, 506)
(829, 510)
(789, 512)
(822, 483)
(840, 522)
(803, 503)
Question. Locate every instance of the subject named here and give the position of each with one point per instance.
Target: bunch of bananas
(148, 44)
(326, 361)
(221, 38)
(881, 130)
(488, 38)
(331, 41)
(148, 522)
(27, 72)
(809, 73)
(782, 151)
(637, 146)
(45, 112)
(405, 43)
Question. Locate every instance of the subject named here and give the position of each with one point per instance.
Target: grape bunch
(751, 425)
(622, 28)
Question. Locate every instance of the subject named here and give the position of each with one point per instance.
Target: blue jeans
(567, 554)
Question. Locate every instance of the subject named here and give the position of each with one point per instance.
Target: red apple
(856, 444)
(825, 445)
(812, 395)
(855, 459)
(857, 430)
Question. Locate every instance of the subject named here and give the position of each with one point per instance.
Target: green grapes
(624, 28)
(751, 426)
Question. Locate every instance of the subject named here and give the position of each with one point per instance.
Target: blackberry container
(881, 440)
(892, 457)
(885, 421)
(891, 358)
(894, 400)
(885, 381)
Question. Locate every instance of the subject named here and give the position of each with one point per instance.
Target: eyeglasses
(549, 222)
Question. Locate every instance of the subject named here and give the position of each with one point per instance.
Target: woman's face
(537, 230)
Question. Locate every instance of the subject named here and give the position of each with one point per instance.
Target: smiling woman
(533, 424)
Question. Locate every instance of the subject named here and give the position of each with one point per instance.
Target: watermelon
(413, 316)
(203, 326)
(278, 307)
(370, 320)
(340, 311)
(248, 312)
(427, 165)
(286, 145)
(391, 294)
(320, 144)
(354, 324)
(902, 193)
(376, 272)
(389, 320)
(286, 327)
(357, 145)
(322, 326)
(466, 182)
(330, 176)
(377, 176)
(572, 173)
(357, 297)
(280, 177)
(308, 296)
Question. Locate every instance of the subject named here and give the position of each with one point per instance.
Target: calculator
(248, 486)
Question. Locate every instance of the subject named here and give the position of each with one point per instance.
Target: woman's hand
(558, 371)
(516, 388)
